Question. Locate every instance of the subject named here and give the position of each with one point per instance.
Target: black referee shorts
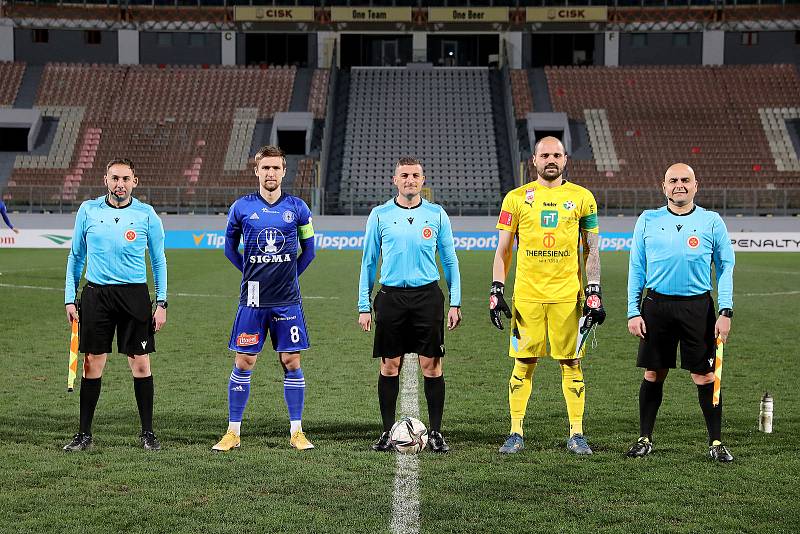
(671, 320)
(409, 319)
(124, 308)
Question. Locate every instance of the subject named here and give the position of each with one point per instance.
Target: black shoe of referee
(80, 442)
(437, 443)
(640, 449)
(384, 443)
(149, 441)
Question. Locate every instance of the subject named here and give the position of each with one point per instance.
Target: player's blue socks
(238, 393)
(294, 392)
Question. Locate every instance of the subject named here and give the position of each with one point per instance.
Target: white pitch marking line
(198, 295)
(313, 297)
(405, 499)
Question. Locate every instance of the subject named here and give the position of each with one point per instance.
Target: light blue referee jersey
(673, 254)
(408, 239)
(111, 243)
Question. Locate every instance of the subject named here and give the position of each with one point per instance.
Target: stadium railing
(211, 200)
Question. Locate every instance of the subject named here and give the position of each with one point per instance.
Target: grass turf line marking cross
(405, 499)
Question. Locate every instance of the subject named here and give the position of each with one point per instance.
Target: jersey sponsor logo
(285, 318)
(549, 219)
(569, 205)
(529, 195)
(254, 216)
(288, 216)
(130, 235)
(549, 240)
(427, 233)
(549, 204)
(246, 340)
(505, 218)
(547, 253)
(273, 258)
(270, 240)
(693, 241)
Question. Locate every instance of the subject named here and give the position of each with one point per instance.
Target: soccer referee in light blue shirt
(112, 234)
(408, 231)
(674, 249)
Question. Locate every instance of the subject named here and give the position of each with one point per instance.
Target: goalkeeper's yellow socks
(519, 391)
(575, 394)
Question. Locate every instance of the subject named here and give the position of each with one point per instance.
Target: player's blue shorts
(286, 326)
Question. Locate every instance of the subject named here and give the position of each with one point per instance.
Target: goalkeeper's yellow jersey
(547, 223)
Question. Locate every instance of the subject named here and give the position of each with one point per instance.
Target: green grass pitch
(341, 486)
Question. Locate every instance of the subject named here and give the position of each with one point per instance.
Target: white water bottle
(765, 414)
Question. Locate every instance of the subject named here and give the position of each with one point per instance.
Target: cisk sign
(572, 14)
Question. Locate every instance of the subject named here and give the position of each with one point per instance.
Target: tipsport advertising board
(464, 241)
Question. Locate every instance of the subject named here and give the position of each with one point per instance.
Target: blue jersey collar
(264, 200)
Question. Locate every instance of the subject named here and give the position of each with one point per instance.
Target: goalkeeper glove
(498, 304)
(593, 305)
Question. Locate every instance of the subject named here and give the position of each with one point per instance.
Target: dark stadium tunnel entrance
(13, 139)
(292, 141)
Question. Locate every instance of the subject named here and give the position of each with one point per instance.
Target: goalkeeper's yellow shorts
(545, 329)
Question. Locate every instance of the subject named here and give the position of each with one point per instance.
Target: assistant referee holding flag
(112, 234)
(408, 231)
(674, 248)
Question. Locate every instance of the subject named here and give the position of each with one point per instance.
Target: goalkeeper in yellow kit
(548, 218)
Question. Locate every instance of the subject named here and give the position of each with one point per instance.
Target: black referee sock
(388, 389)
(712, 415)
(90, 392)
(143, 388)
(650, 396)
(434, 394)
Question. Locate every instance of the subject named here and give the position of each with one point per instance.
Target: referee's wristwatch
(726, 312)
(162, 304)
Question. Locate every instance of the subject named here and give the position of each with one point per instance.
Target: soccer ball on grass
(409, 436)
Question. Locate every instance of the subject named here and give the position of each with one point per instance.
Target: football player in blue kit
(278, 246)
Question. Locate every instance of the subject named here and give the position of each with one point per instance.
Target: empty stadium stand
(184, 127)
(720, 120)
(10, 78)
(441, 116)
